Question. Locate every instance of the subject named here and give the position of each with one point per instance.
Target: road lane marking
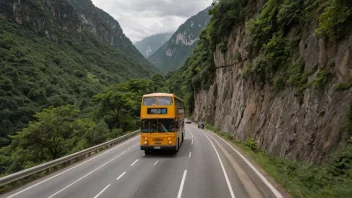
(156, 162)
(143, 155)
(242, 175)
(190, 154)
(89, 173)
(182, 184)
(119, 177)
(222, 167)
(134, 162)
(96, 196)
(270, 186)
(30, 187)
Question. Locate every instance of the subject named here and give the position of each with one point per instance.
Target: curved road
(205, 167)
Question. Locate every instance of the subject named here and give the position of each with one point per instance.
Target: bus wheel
(147, 152)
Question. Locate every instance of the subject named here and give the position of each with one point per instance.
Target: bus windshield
(158, 125)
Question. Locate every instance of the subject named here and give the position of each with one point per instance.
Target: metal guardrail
(64, 160)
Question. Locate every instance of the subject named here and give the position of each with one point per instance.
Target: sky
(143, 18)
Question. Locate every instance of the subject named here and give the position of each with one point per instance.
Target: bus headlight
(145, 142)
(170, 142)
(169, 138)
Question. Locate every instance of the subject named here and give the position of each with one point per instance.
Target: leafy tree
(114, 106)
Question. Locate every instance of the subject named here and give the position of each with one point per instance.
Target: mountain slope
(101, 24)
(49, 57)
(149, 45)
(182, 43)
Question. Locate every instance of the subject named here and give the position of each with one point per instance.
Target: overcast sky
(142, 18)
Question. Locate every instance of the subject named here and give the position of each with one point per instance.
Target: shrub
(322, 78)
(336, 20)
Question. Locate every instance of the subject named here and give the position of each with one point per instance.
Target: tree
(114, 106)
(49, 136)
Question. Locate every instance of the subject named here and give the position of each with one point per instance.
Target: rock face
(47, 17)
(180, 46)
(300, 128)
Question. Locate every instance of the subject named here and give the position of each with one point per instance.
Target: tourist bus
(162, 122)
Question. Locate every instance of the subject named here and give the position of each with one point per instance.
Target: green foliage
(223, 47)
(60, 130)
(36, 72)
(348, 124)
(343, 86)
(323, 77)
(56, 132)
(336, 20)
(250, 143)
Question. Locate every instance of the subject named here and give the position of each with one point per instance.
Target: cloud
(143, 18)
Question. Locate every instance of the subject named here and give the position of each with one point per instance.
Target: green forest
(59, 130)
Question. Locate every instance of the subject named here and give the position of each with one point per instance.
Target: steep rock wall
(285, 125)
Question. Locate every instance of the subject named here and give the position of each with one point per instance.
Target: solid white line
(70, 168)
(156, 162)
(89, 173)
(190, 154)
(271, 187)
(102, 191)
(222, 167)
(182, 184)
(121, 176)
(134, 162)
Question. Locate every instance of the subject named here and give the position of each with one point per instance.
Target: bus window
(149, 101)
(166, 125)
(164, 101)
(149, 126)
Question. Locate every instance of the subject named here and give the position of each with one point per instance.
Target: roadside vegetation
(57, 131)
(302, 179)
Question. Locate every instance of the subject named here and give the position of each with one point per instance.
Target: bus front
(159, 123)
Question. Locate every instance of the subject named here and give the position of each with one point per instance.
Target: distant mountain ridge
(180, 46)
(149, 45)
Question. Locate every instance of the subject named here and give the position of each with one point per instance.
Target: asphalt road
(205, 167)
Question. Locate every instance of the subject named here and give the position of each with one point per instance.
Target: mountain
(180, 46)
(149, 45)
(58, 52)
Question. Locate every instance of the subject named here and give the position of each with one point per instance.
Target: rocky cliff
(180, 46)
(300, 119)
(149, 45)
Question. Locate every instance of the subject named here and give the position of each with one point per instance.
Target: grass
(302, 179)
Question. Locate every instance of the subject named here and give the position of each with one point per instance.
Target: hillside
(149, 45)
(51, 56)
(276, 76)
(180, 46)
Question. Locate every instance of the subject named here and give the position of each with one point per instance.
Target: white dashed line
(190, 154)
(156, 162)
(182, 183)
(70, 168)
(121, 176)
(134, 162)
(102, 191)
(89, 173)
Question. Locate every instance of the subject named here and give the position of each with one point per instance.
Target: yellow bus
(162, 122)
